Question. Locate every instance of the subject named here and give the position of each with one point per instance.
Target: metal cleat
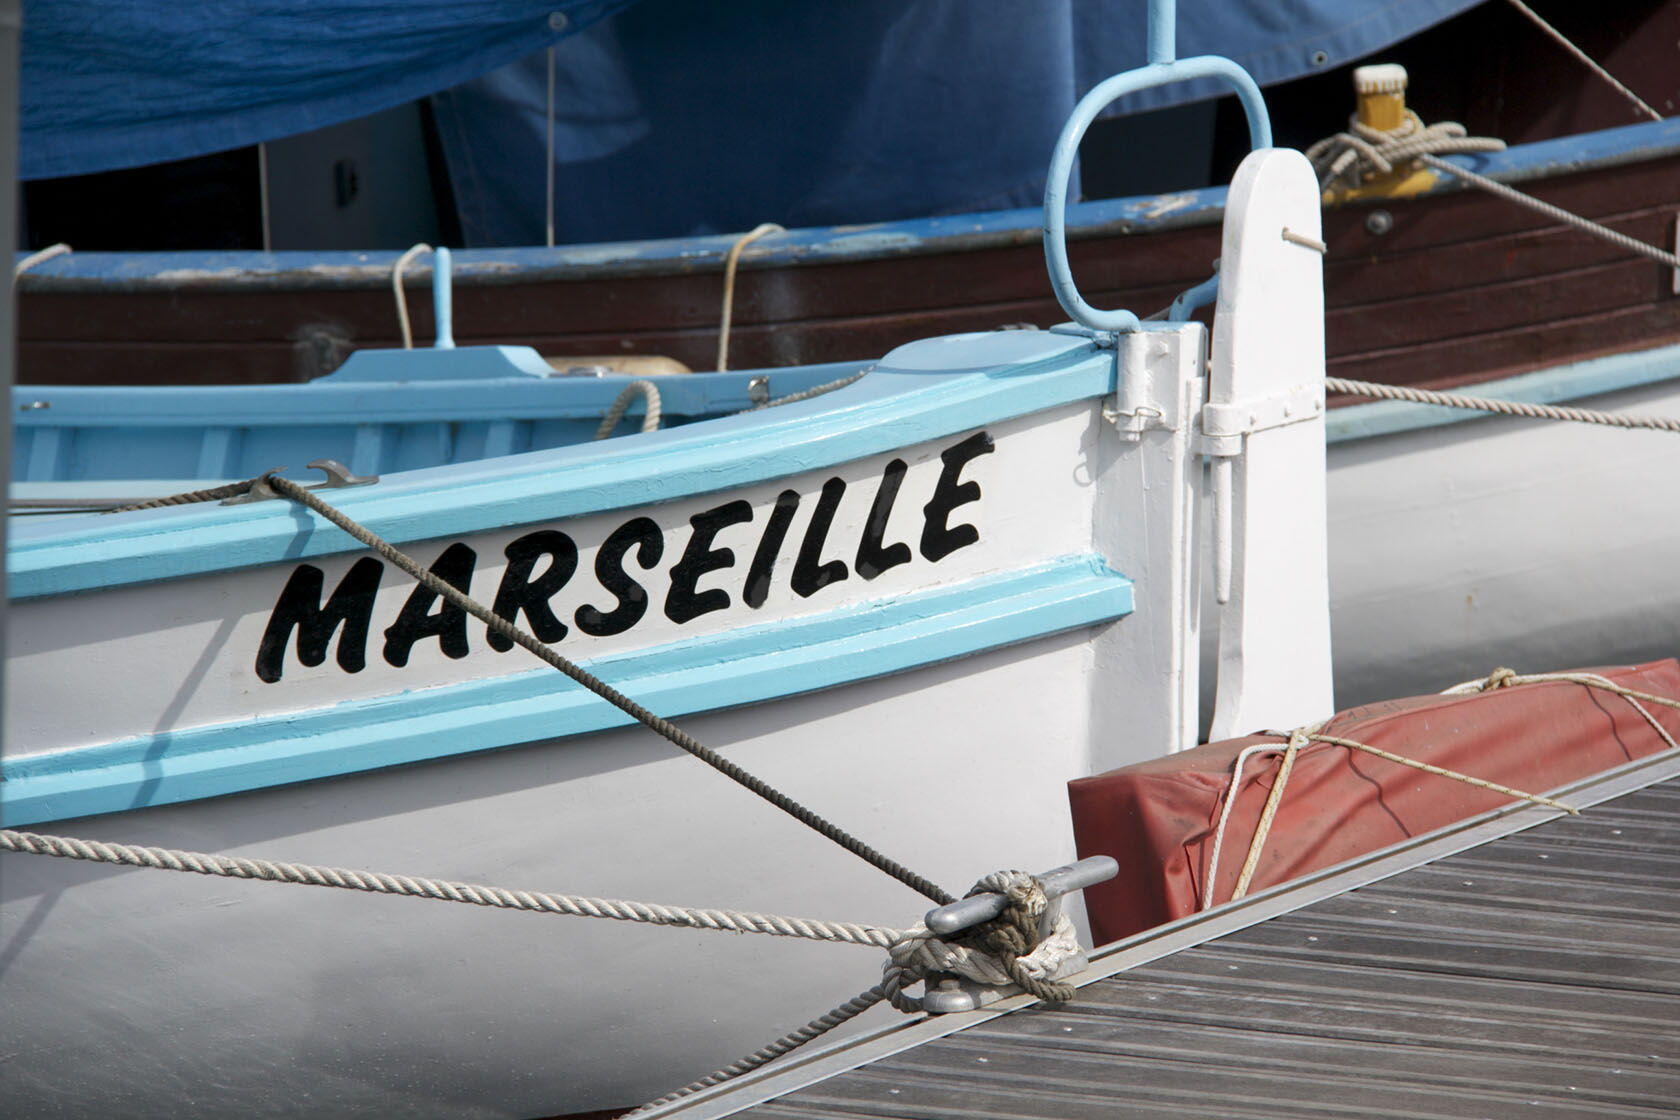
(338, 475)
(956, 993)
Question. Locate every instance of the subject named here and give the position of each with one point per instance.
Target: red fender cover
(1158, 818)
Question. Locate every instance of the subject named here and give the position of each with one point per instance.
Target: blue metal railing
(1163, 69)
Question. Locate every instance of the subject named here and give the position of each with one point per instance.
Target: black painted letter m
(299, 607)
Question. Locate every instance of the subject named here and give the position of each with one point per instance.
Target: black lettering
(757, 588)
(519, 592)
(873, 556)
(939, 539)
(810, 575)
(683, 603)
(448, 624)
(644, 536)
(299, 607)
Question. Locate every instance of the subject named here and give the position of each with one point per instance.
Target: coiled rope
(1506, 408)
(615, 413)
(1349, 158)
(607, 692)
(1298, 738)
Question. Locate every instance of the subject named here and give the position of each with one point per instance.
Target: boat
(941, 584)
(1433, 285)
(921, 600)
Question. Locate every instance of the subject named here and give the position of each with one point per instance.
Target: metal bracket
(1224, 425)
(956, 993)
(338, 478)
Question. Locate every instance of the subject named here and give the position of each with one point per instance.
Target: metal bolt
(31, 406)
(559, 21)
(1378, 222)
(1319, 58)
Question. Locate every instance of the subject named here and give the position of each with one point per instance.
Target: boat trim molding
(175, 272)
(743, 666)
(921, 392)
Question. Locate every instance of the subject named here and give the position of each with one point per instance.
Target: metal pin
(1304, 241)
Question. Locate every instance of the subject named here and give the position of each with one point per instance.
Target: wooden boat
(1438, 287)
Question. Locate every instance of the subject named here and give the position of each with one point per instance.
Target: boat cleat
(956, 993)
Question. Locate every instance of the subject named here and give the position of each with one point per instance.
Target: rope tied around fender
(1300, 737)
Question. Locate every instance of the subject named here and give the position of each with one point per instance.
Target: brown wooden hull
(1463, 287)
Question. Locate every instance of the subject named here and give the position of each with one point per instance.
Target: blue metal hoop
(1067, 147)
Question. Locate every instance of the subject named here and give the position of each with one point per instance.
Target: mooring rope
(442, 890)
(189, 497)
(1348, 158)
(807, 394)
(1301, 736)
(1558, 213)
(1505, 408)
(1581, 56)
(607, 692)
(1005, 950)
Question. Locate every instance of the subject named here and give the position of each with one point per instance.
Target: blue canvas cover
(680, 117)
(119, 83)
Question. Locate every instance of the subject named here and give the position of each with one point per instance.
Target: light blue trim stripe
(326, 402)
(1548, 386)
(741, 666)
(1012, 373)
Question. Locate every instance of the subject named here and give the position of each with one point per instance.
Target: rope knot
(1499, 678)
(1008, 949)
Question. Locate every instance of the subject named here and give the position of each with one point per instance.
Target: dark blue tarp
(694, 116)
(118, 83)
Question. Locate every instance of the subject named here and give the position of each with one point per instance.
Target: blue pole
(443, 300)
(1163, 31)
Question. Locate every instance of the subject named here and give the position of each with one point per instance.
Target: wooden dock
(1522, 964)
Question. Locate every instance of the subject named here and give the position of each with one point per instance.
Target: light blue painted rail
(742, 666)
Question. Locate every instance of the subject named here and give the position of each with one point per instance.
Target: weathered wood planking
(1463, 287)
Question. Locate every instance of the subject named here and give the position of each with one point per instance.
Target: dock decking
(1524, 964)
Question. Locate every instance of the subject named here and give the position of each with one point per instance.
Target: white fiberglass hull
(1534, 544)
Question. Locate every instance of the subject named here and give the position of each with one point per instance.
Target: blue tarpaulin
(681, 117)
(674, 116)
(118, 83)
